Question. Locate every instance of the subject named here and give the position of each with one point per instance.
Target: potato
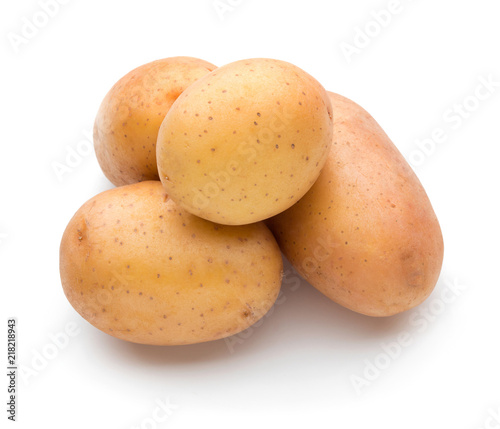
(365, 235)
(126, 126)
(245, 142)
(139, 268)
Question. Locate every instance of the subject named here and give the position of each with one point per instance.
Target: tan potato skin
(365, 235)
(139, 268)
(126, 126)
(245, 142)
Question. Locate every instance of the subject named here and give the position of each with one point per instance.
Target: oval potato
(127, 124)
(139, 268)
(245, 142)
(365, 235)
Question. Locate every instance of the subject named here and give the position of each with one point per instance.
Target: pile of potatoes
(218, 171)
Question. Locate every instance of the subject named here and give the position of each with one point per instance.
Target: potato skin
(139, 268)
(245, 142)
(126, 126)
(365, 235)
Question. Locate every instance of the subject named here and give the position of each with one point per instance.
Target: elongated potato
(139, 268)
(365, 235)
(127, 124)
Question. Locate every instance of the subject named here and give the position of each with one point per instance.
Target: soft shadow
(160, 355)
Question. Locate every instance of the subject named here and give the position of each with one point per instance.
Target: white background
(296, 368)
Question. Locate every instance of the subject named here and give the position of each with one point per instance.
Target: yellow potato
(126, 126)
(365, 235)
(139, 268)
(245, 142)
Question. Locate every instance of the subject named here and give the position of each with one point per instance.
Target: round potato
(139, 268)
(365, 235)
(245, 142)
(126, 126)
